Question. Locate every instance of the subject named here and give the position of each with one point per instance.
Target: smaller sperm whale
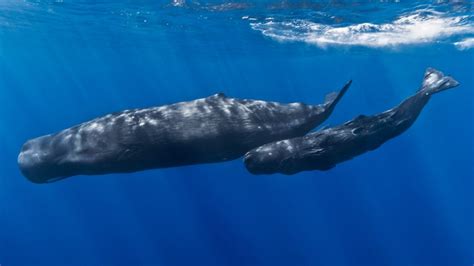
(322, 150)
(207, 130)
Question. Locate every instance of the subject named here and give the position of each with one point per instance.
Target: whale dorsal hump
(218, 95)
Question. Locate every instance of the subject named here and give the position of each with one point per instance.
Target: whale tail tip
(333, 98)
(435, 81)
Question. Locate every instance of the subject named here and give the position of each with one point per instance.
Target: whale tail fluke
(435, 81)
(333, 98)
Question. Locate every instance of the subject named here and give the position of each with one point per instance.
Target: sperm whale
(322, 150)
(207, 130)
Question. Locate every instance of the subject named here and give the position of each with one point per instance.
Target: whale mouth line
(423, 26)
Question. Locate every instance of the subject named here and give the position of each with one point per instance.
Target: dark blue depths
(410, 202)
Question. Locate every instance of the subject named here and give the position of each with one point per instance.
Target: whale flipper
(435, 81)
(334, 97)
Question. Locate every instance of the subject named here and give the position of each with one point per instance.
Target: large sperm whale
(322, 150)
(212, 129)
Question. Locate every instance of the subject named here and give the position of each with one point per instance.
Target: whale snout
(30, 161)
(261, 161)
(271, 158)
(36, 162)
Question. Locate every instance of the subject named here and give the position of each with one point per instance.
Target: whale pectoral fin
(311, 152)
(55, 179)
(316, 156)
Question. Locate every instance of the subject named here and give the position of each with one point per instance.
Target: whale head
(40, 160)
(270, 158)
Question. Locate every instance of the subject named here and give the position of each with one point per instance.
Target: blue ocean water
(410, 202)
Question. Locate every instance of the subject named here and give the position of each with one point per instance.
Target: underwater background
(410, 202)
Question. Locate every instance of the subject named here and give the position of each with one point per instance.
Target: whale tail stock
(435, 81)
(334, 97)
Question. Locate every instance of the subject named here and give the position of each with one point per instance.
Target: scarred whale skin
(212, 129)
(322, 150)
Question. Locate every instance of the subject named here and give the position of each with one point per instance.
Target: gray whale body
(212, 129)
(322, 150)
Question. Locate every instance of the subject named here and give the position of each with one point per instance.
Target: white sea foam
(465, 44)
(422, 26)
(178, 2)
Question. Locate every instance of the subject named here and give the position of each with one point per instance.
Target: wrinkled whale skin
(322, 150)
(212, 129)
